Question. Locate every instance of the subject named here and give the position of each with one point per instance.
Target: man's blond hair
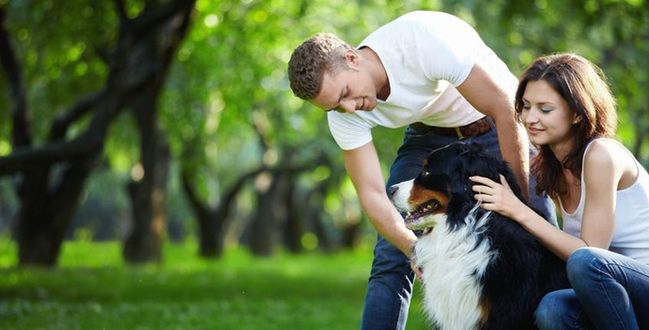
(316, 56)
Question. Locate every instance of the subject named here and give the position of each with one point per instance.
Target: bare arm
(363, 167)
(487, 97)
(499, 198)
(603, 169)
(601, 175)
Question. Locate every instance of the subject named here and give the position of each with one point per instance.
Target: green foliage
(228, 88)
(613, 34)
(94, 290)
(59, 53)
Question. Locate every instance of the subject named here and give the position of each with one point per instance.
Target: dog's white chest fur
(453, 263)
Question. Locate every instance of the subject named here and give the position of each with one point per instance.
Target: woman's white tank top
(631, 233)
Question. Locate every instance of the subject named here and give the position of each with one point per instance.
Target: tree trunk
(213, 222)
(52, 176)
(314, 207)
(264, 227)
(148, 193)
(294, 225)
(210, 237)
(351, 235)
(44, 212)
(148, 199)
(278, 210)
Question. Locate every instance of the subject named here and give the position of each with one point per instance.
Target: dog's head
(442, 192)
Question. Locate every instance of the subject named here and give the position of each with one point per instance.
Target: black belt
(476, 128)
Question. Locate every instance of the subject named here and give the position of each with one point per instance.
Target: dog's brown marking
(420, 195)
(485, 307)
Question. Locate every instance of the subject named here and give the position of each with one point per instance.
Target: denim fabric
(609, 291)
(390, 284)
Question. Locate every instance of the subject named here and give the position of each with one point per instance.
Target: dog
(480, 269)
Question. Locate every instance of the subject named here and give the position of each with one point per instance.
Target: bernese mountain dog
(480, 269)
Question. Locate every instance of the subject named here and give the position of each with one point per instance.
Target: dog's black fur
(523, 271)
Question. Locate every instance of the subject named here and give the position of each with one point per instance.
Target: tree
(52, 175)
(157, 49)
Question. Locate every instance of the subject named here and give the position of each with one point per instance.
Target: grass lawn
(93, 289)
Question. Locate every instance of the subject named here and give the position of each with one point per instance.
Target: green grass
(93, 289)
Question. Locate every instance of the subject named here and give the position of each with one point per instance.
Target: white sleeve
(349, 130)
(449, 48)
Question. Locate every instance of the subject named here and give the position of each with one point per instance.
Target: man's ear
(351, 58)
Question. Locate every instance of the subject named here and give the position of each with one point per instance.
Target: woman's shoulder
(606, 155)
(601, 151)
(606, 149)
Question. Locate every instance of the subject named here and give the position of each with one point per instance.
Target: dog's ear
(465, 159)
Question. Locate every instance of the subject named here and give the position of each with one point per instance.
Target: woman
(603, 192)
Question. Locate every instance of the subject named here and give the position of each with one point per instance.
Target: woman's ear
(576, 119)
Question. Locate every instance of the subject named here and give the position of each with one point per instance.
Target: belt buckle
(459, 133)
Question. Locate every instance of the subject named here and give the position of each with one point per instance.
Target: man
(428, 70)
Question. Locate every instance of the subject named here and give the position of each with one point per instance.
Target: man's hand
(419, 272)
(364, 169)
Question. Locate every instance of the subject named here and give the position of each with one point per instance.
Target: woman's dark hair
(583, 86)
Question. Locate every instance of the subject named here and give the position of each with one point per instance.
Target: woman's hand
(495, 196)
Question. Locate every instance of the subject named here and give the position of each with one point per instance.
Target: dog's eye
(425, 174)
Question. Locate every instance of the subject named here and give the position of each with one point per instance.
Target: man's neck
(377, 72)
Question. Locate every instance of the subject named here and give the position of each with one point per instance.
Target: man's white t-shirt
(426, 55)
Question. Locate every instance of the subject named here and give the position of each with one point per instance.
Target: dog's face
(423, 199)
(443, 189)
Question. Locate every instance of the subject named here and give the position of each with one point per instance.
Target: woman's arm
(603, 169)
(498, 197)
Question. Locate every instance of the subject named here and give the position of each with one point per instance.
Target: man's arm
(487, 97)
(363, 167)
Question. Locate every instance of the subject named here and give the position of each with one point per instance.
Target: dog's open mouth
(422, 210)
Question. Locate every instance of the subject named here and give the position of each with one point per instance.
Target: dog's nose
(392, 190)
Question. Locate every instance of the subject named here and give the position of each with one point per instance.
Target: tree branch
(190, 193)
(120, 8)
(21, 129)
(83, 106)
(150, 18)
(51, 153)
(90, 141)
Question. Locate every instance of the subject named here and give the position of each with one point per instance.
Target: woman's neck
(562, 150)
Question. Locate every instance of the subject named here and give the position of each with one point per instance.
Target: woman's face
(546, 115)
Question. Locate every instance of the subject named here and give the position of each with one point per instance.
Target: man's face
(348, 90)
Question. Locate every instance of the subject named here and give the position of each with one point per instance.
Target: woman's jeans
(609, 291)
(391, 280)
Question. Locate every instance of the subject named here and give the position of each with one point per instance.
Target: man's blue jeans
(391, 280)
(609, 291)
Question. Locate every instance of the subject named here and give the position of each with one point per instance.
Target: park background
(157, 172)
